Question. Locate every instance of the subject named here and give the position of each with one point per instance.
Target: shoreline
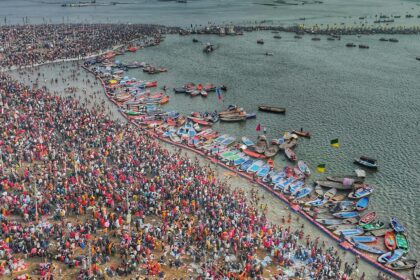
(344, 245)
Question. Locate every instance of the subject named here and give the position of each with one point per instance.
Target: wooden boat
(402, 242)
(367, 162)
(247, 141)
(362, 204)
(370, 249)
(260, 41)
(300, 133)
(395, 224)
(303, 192)
(232, 119)
(330, 194)
(271, 150)
(390, 241)
(253, 154)
(303, 167)
(261, 145)
(290, 154)
(402, 265)
(348, 231)
(200, 121)
(363, 239)
(416, 273)
(373, 226)
(330, 221)
(272, 109)
(346, 215)
(363, 191)
(341, 179)
(367, 218)
(391, 257)
(331, 184)
(288, 143)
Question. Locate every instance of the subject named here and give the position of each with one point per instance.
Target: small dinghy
(303, 167)
(367, 218)
(390, 241)
(363, 191)
(402, 265)
(317, 202)
(391, 257)
(346, 215)
(247, 141)
(367, 162)
(290, 154)
(303, 192)
(332, 184)
(363, 239)
(301, 133)
(330, 194)
(402, 242)
(370, 249)
(395, 224)
(329, 222)
(349, 231)
(246, 165)
(362, 204)
(255, 166)
(373, 226)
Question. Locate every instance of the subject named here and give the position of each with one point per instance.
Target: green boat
(372, 226)
(226, 155)
(133, 113)
(402, 242)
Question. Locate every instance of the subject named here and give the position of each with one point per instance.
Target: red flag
(258, 128)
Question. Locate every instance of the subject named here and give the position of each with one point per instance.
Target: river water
(368, 99)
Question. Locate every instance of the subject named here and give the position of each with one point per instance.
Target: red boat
(290, 154)
(254, 154)
(132, 49)
(301, 133)
(151, 84)
(368, 218)
(390, 241)
(200, 121)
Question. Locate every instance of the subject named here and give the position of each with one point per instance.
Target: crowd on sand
(36, 44)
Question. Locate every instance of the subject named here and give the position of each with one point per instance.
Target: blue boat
(191, 133)
(263, 171)
(346, 215)
(276, 178)
(247, 141)
(348, 231)
(303, 192)
(240, 160)
(255, 166)
(361, 192)
(370, 249)
(294, 187)
(269, 177)
(221, 138)
(283, 183)
(169, 132)
(362, 204)
(229, 141)
(244, 166)
(391, 257)
(317, 202)
(329, 222)
(181, 131)
(395, 224)
(363, 239)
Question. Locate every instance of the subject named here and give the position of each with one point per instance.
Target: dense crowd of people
(80, 192)
(22, 45)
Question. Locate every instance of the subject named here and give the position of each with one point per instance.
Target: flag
(320, 168)
(335, 143)
(219, 94)
(258, 128)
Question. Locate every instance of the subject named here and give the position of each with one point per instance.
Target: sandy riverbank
(90, 93)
